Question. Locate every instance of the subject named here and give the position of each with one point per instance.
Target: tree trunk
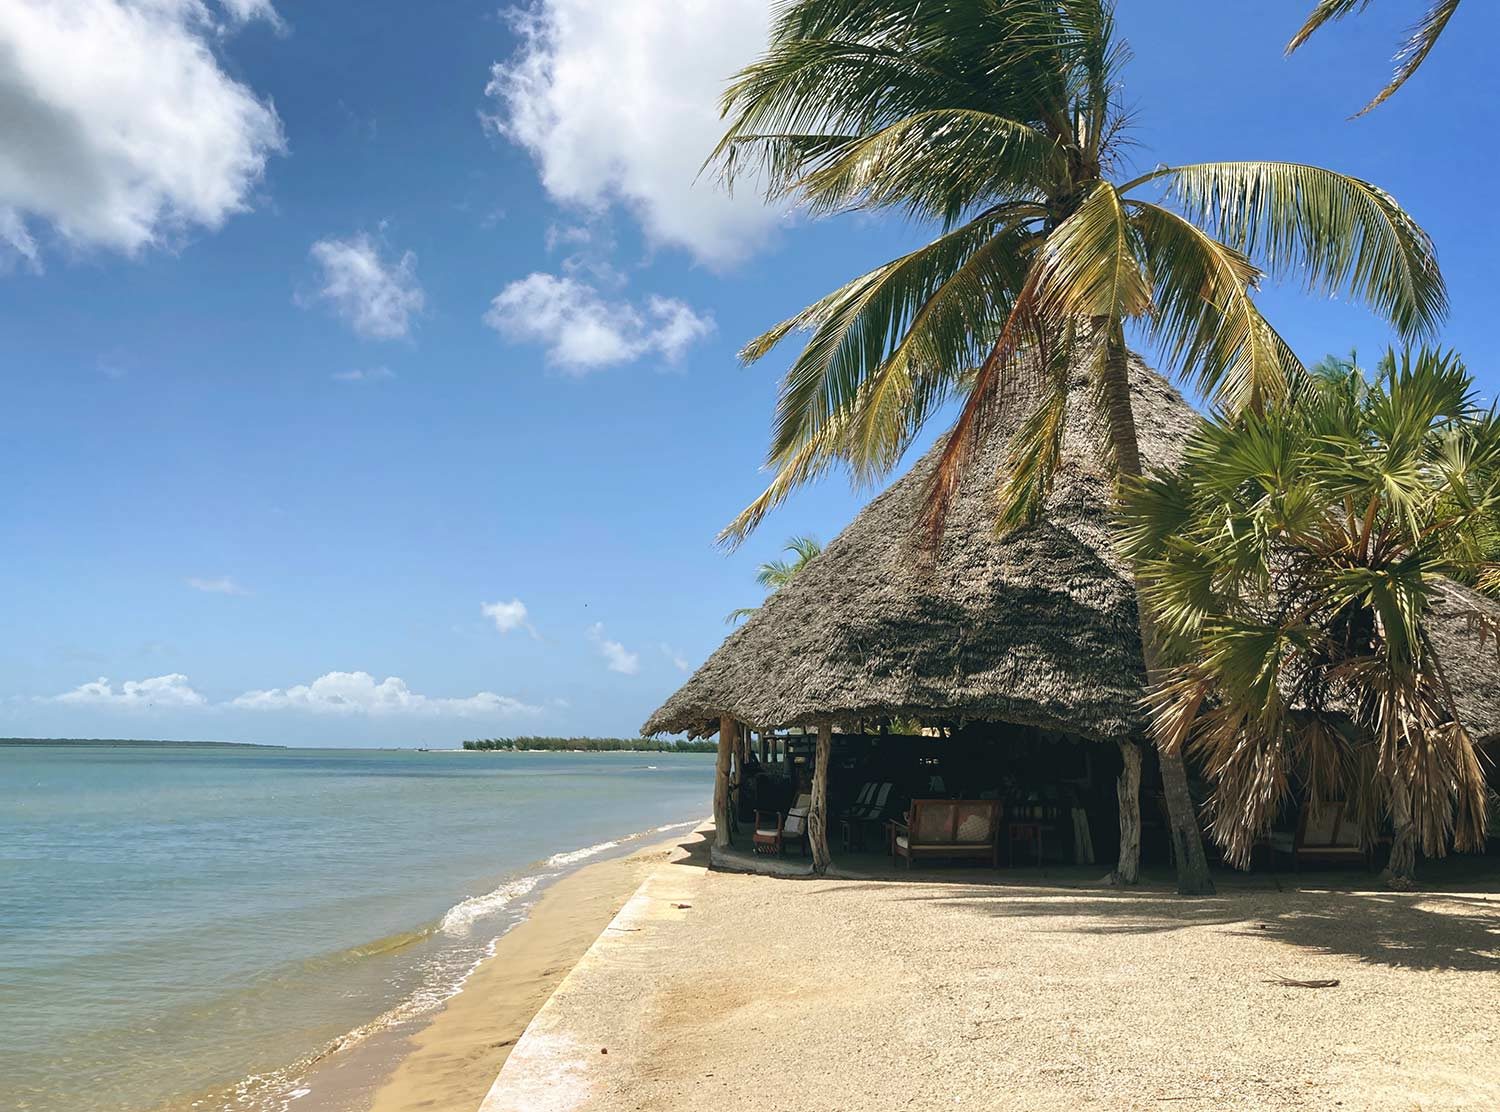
(1187, 840)
(1129, 790)
(736, 780)
(817, 817)
(1401, 869)
(728, 731)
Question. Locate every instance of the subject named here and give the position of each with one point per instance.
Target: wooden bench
(1329, 836)
(948, 828)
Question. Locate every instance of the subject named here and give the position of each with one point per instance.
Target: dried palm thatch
(1036, 627)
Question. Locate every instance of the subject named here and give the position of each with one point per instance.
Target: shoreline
(447, 1061)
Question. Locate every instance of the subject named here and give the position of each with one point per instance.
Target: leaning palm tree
(1419, 42)
(776, 574)
(1292, 562)
(1001, 121)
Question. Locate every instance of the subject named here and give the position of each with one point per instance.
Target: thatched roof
(1035, 628)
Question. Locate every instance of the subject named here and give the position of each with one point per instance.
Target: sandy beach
(448, 1064)
(751, 993)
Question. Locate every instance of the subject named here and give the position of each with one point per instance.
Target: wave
(562, 860)
(460, 917)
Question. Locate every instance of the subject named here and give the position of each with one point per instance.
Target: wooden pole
(728, 731)
(1129, 791)
(817, 817)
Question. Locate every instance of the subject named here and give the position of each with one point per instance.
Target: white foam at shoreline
(572, 857)
(461, 916)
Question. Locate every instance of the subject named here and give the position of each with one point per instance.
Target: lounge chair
(775, 830)
(949, 828)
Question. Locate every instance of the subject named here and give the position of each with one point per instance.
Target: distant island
(132, 743)
(589, 745)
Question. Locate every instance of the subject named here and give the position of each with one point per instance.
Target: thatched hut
(1033, 629)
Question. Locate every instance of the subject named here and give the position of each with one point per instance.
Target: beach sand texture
(455, 1057)
(764, 994)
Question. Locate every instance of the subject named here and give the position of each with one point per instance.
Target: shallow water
(197, 924)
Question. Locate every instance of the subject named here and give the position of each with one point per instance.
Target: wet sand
(449, 1065)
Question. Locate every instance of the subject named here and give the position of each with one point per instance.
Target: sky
(370, 370)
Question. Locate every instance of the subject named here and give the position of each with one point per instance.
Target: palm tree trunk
(1129, 789)
(1187, 840)
(1401, 869)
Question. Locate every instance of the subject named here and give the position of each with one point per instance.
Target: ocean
(190, 928)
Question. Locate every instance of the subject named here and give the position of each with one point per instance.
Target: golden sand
(455, 1058)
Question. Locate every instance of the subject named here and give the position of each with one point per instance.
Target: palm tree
(1001, 122)
(776, 574)
(1419, 43)
(1291, 563)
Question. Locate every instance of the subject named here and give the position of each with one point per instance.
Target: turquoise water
(181, 925)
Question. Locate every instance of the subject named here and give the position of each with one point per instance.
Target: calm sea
(181, 925)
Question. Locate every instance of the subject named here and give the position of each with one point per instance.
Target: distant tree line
(590, 745)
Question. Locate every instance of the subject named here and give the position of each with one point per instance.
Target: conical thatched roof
(1035, 628)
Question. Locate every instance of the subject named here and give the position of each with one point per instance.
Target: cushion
(903, 841)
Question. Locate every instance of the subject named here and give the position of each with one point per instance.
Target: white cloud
(246, 11)
(365, 374)
(619, 102)
(223, 585)
(376, 297)
(122, 131)
(507, 616)
(355, 693)
(617, 657)
(679, 661)
(159, 691)
(583, 331)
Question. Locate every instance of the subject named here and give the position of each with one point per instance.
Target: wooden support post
(729, 730)
(817, 817)
(1129, 791)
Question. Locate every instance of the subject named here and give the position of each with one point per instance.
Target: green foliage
(1290, 566)
(589, 745)
(1419, 42)
(1001, 121)
(776, 574)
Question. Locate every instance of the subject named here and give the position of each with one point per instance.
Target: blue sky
(370, 368)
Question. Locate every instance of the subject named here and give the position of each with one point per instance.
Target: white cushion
(903, 841)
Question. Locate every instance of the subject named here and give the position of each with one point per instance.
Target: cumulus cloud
(223, 585)
(679, 661)
(617, 658)
(365, 375)
(376, 297)
(355, 693)
(583, 331)
(618, 103)
(507, 616)
(122, 131)
(159, 691)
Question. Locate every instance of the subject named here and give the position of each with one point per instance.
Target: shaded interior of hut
(1061, 788)
(1057, 795)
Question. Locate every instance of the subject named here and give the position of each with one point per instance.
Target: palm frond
(1089, 266)
(1419, 42)
(1344, 235)
(858, 327)
(1204, 317)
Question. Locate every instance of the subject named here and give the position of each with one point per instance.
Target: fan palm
(1291, 562)
(1001, 122)
(1419, 43)
(776, 574)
